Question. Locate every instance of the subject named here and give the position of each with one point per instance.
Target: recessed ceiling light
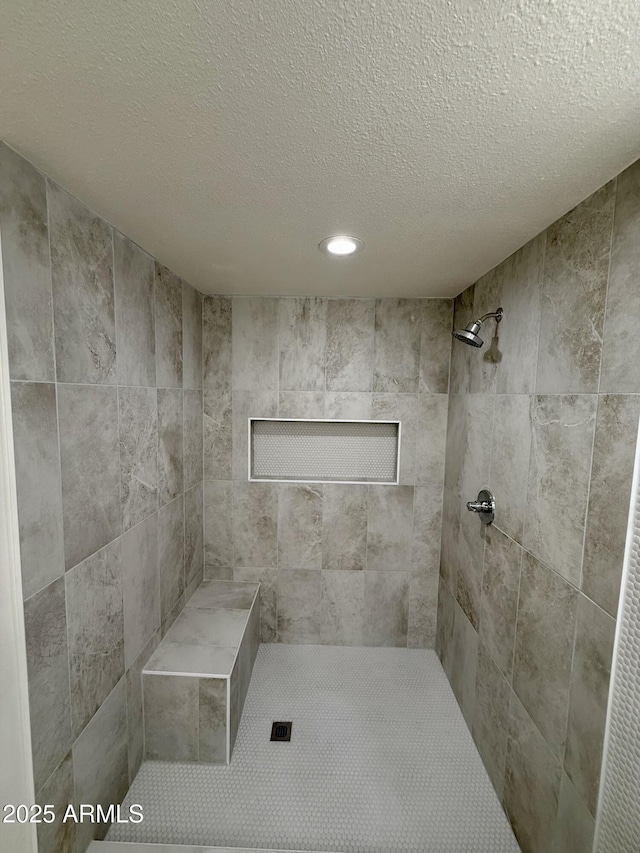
(341, 245)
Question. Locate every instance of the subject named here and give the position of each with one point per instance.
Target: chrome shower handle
(479, 506)
(485, 505)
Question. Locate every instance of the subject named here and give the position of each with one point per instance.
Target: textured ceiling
(228, 137)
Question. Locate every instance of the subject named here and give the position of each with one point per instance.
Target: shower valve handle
(479, 506)
(485, 506)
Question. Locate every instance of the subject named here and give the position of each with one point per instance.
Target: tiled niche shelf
(297, 450)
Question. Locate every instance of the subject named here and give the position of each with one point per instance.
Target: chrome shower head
(470, 334)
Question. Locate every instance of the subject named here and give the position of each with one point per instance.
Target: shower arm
(497, 314)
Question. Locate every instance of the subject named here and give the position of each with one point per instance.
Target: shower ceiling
(229, 138)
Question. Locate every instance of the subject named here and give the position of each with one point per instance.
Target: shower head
(470, 334)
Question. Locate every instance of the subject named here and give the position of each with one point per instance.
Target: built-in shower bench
(196, 681)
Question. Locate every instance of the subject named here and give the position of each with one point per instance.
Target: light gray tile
(216, 343)
(224, 595)
(574, 291)
(544, 645)
(26, 267)
(186, 658)
(90, 464)
(193, 533)
(344, 527)
(403, 408)
(267, 578)
(491, 718)
(386, 609)
(141, 587)
(133, 273)
(218, 524)
(234, 702)
(484, 363)
(397, 345)
(444, 627)
(342, 608)
(532, 783)
(255, 524)
(301, 404)
(468, 450)
(590, 676)
(471, 535)
(519, 329)
(171, 713)
(171, 555)
(461, 355)
(48, 671)
(499, 601)
(435, 345)
(138, 414)
(95, 627)
(510, 454)
(302, 326)
(83, 294)
(208, 627)
(35, 441)
(562, 441)
(463, 665)
(193, 439)
(431, 438)
(218, 573)
(212, 725)
(348, 405)
(246, 404)
(450, 538)
(299, 606)
(299, 526)
(613, 458)
(574, 827)
(621, 347)
(100, 760)
(255, 344)
(168, 313)
(58, 791)
(135, 716)
(191, 337)
(170, 445)
(389, 528)
(350, 340)
(423, 603)
(427, 527)
(218, 436)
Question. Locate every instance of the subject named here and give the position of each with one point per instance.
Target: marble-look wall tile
(193, 533)
(138, 414)
(193, 438)
(170, 445)
(491, 718)
(171, 555)
(431, 438)
(444, 627)
(484, 363)
(26, 267)
(499, 601)
(299, 606)
(83, 294)
(267, 578)
(435, 346)
(168, 313)
(348, 405)
(191, 337)
(246, 404)
(450, 538)
(45, 627)
(300, 526)
(398, 326)
(510, 453)
(218, 523)
(100, 761)
(460, 378)
(588, 700)
(621, 346)
(212, 722)
(561, 447)
(171, 718)
(468, 452)
(463, 663)
(58, 791)
(389, 528)
(95, 627)
(386, 608)
(301, 404)
(520, 327)
(141, 587)
(613, 458)
(575, 826)
(133, 273)
(255, 344)
(469, 549)
(218, 436)
(350, 339)
(532, 783)
(90, 464)
(302, 326)
(547, 610)
(216, 343)
(404, 408)
(423, 602)
(342, 608)
(427, 529)
(35, 436)
(255, 524)
(135, 721)
(574, 291)
(344, 527)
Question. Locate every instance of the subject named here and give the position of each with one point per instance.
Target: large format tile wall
(339, 564)
(546, 414)
(106, 382)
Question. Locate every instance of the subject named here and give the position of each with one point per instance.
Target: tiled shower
(131, 393)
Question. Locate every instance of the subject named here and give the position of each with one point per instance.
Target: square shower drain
(281, 731)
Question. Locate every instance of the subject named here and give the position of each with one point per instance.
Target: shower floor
(380, 760)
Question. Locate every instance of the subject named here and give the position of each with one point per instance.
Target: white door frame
(16, 772)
